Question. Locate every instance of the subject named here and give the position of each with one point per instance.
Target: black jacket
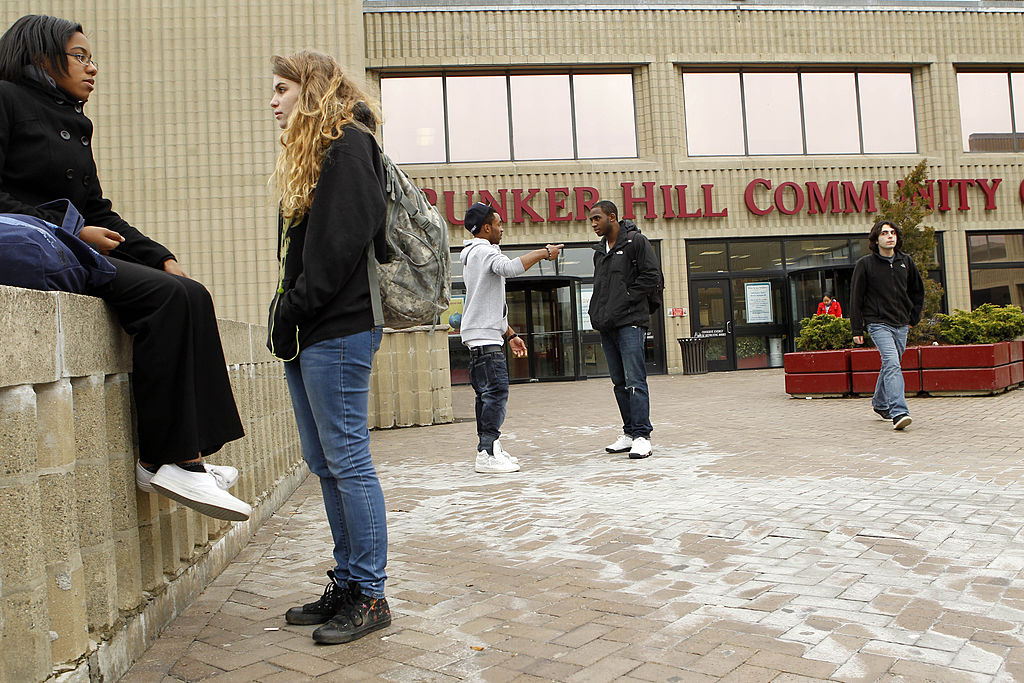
(46, 154)
(885, 293)
(324, 289)
(623, 279)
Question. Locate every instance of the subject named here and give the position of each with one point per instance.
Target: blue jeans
(330, 386)
(624, 351)
(488, 374)
(891, 342)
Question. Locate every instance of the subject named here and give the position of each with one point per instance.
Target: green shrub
(986, 324)
(824, 333)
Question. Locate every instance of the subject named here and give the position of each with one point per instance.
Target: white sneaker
(641, 448)
(498, 447)
(494, 464)
(201, 492)
(226, 476)
(621, 445)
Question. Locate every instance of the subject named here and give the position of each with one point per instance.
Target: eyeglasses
(83, 59)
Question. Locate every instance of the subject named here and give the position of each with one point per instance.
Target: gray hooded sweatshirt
(484, 313)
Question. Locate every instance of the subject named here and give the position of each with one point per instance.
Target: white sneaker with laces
(641, 448)
(226, 476)
(494, 464)
(621, 445)
(498, 447)
(201, 492)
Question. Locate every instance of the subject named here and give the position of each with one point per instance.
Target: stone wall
(91, 568)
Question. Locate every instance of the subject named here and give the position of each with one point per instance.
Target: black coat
(885, 293)
(46, 154)
(624, 277)
(324, 288)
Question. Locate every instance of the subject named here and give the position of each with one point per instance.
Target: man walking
(626, 274)
(887, 298)
(485, 328)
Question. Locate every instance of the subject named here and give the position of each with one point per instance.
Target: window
(508, 117)
(991, 111)
(799, 112)
(996, 263)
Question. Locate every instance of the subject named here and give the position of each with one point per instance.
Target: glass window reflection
(714, 116)
(887, 112)
(816, 252)
(413, 134)
(473, 137)
(830, 113)
(707, 257)
(985, 123)
(772, 105)
(755, 255)
(541, 117)
(605, 117)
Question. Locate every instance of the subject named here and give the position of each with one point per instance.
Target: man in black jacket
(626, 273)
(887, 298)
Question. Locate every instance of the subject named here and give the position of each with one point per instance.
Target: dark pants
(488, 374)
(180, 383)
(624, 350)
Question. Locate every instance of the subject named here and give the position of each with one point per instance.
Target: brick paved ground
(768, 539)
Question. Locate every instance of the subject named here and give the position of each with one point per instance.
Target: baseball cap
(476, 216)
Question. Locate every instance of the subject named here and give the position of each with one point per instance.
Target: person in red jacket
(829, 306)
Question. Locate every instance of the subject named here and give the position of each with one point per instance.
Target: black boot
(333, 599)
(361, 616)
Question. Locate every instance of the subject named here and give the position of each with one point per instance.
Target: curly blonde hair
(328, 100)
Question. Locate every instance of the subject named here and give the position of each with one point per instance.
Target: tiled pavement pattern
(767, 539)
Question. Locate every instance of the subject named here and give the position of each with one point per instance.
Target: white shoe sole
(902, 423)
(485, 469)
(225, 506)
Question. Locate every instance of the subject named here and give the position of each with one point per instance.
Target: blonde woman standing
(330, 183)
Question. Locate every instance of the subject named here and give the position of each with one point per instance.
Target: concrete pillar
(92, 484)
(65, 577)
(25, 637)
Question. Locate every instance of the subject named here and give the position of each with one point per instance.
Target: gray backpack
(414, 278)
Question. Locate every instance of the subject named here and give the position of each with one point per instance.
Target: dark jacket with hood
(324, 287)
(624, 277)
(46, 154)
(883, 292)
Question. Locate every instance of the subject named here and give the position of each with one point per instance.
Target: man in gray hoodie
(485, 328)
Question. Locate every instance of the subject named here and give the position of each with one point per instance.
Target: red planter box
(818, 383)
(966, 356)
(817, 361)
(864, 382)
(1016, 351)
(965, 380)
(1016, 373)
(868, 360)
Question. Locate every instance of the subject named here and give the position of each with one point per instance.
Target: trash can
(695, 355)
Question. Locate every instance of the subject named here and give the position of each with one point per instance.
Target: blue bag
(36, 254)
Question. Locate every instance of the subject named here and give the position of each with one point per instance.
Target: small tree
(907, 210)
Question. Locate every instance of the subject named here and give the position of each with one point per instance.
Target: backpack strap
(371, 275)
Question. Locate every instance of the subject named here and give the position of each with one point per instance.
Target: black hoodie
(883, 292)
(624, 277)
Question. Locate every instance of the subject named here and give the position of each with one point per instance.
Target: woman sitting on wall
(183, 398)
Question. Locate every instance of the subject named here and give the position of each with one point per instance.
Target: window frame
(799, 71)
(507, 74)
(990, 265)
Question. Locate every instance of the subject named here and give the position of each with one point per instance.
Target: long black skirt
(183, 398)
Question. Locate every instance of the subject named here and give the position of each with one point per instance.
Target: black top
(624, 277)
(324, 288)
(46, 154)
(883, 292)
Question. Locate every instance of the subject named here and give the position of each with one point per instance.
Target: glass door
(712, 306)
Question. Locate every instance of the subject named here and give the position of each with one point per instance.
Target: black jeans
(488, 374)
(183, 398)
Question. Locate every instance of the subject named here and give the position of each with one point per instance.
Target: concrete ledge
(91, 569)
